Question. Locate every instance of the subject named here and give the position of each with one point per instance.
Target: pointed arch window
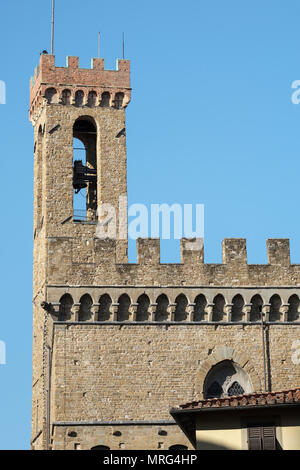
(123, 310)
(65, 308)
(226, 379)
(181, 308)
(143, 307)
(162, 306)
(104, 307)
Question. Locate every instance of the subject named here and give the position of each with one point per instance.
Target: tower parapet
(78, 86)
(103, 259)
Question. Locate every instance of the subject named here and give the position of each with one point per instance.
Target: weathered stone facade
(116, 345)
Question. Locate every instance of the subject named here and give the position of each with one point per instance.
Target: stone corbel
(98, 100)
(266, 312)
(75, 310)
(228, 312)
(284, 309)
(209, 311)
(95, 312)
(171, 311)
(133, 311)
(114, 309)
(246, 311)
(191, 312)
(152, 310)
(85, 100)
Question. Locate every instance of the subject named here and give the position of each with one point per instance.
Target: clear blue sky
(211, 121)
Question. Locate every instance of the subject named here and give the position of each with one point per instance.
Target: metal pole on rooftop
(52, 31)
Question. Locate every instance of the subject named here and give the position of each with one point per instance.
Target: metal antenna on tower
(52, 32)
(123, 46)
(99, 44)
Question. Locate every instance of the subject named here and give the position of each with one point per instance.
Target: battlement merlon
(74, 78)
(100, 265)
(234, 252)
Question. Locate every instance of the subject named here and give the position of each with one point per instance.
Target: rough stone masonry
(117, 344)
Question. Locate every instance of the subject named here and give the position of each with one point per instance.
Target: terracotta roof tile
(251, 399)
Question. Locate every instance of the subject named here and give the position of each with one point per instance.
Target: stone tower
(116, 345)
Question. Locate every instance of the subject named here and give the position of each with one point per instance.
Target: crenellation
(97, 254)
(72, 78)
(72, 62)
(148, 251)
(192, 251)
(278, 251)
(234, 251)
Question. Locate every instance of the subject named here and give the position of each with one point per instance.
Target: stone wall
(136, 373)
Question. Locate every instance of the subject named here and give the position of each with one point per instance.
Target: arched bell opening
(85, 169)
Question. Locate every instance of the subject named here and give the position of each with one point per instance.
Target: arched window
(79, 96)
(85, 313)
(104, 307)
(218, 309)
(226, 379)
(161, 309)
(123, 310)
(237, 308)
(85, 169)
(275, 302)
(256, 308)
(199, 312)
(181, 306)
(66, 97)
(143, 306)
(119, 98)
(105, 99)
(294, 304)
(66, 303)
(92, 98)
(51, 95)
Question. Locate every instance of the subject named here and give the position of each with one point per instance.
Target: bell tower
(79, 165)
(116, 345)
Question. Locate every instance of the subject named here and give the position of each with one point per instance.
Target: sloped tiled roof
(184, 415)
(249, 400)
